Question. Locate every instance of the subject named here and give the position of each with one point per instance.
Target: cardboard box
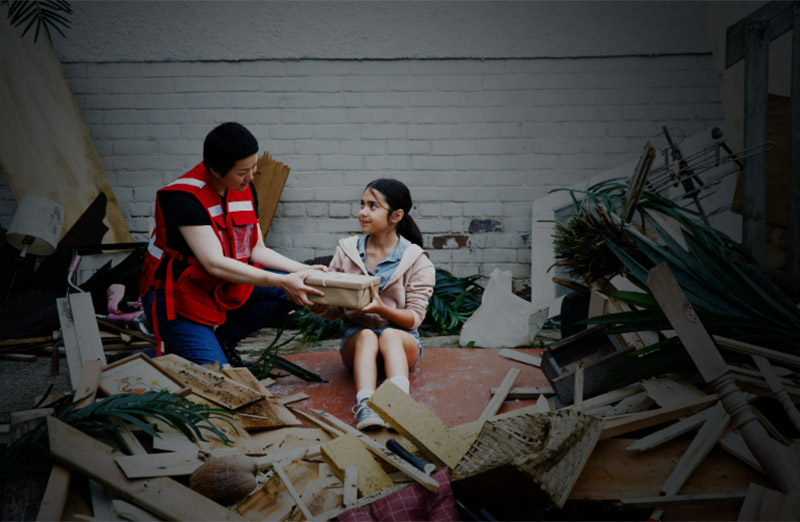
(348, 290)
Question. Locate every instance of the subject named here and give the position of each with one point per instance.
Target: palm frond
(44, 14)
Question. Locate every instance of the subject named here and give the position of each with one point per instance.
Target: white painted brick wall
(474, 139)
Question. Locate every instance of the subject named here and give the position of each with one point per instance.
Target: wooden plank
(672, 431)
(55, 494)
(672, 500)
(350, 482)
(161, 496)
(612, 472)
(418, 424)
(381, 452)
(130, 512)
(207, 383)
(526, 392)
(266, 414)
(701, 446)
(520, 357)
(80, 333)
(499, 398)
(269, 182)
(608, 397)
(287, 482)
(614, 427)
(102, 509)
(670, 391)
(635, 403)
(289, 399)
(283, 439)
(245, 377)
(761, 503)
(734, 444)
(577, 391)
(158, 464)
(45, 146)
(349, 451)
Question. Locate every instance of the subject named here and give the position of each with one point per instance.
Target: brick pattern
(476, 141)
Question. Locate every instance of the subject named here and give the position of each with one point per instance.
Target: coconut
(225, 480)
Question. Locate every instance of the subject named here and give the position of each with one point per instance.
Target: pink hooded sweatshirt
(410, 286)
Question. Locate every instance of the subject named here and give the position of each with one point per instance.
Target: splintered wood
(347, 450)
(418, 424)
(207, 383)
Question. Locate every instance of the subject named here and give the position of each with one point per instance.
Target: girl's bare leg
(400, 351)
(360, 354)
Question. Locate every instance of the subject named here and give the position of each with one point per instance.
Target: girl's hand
(322, 268)
(375, 306)
(296, 289)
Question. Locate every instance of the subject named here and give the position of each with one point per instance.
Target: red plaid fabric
(411, 503)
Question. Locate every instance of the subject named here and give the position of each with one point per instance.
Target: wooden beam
(161, 496)
(497, 401)
(754, 181)
(777, 16)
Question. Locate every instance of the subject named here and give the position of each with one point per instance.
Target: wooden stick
(707, 437)
(636, 421)
(497, 401)
(673, 500)
(525, 392)
(293, 492)
(297, 397)
(520, 357)
(712, 366)
(670, 432)
(577, 392)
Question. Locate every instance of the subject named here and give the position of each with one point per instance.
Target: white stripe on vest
(215, 211)
(153, 249)
(199, 183)
(240, 206)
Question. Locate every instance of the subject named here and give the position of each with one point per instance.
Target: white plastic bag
(503, 320)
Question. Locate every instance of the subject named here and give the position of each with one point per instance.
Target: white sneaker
(367, 418)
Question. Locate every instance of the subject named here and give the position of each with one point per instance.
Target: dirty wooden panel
(347, 450)
(418, 424)
(207, 383)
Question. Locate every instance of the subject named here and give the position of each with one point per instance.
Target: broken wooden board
(272, 501)
(418, 424)
(45, 146)
(161, 496)
(285, 439)
(380, 451)
(245, 377)
(207, 383)
(80, 332)
(268, 182)
(670, 391)
(637, 421)
(349, 451)
(613, 472)
(266, 414)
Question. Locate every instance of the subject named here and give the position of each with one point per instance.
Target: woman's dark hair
(227, 144)
(398, 197)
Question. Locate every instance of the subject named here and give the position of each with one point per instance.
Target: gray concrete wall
(480, 107)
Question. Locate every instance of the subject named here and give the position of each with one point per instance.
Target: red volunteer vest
(196, 294)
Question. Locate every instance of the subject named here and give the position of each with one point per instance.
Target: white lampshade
(36, 226)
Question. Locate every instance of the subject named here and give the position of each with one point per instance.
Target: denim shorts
(350, 328)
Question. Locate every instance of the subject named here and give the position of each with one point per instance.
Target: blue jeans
(199, 343)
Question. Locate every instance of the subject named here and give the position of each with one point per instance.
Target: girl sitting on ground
(385, 330)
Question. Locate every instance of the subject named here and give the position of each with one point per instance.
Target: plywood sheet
(45, 146)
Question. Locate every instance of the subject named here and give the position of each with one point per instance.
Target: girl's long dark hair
(398, 198)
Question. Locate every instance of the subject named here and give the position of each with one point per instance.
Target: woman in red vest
(207, 265)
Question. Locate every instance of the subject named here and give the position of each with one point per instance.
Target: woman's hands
(297, 290)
